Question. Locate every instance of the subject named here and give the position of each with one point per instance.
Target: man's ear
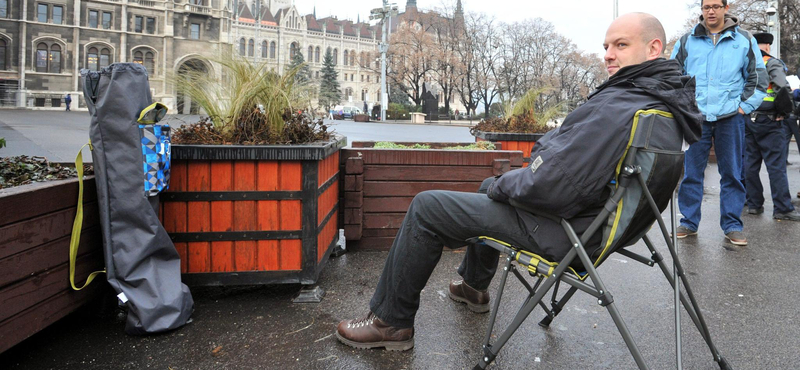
(654, 49)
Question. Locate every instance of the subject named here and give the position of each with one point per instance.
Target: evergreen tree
(329, 93)
(303, 76)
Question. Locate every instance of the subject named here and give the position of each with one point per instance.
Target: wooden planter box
(512, 141)
(35, 228)
(242, 215)
(361, 118)
(379, 184)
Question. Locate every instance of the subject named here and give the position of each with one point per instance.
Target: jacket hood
(731, 21)
(664, 80)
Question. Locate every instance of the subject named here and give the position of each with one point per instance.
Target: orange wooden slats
(244, 215)
(222, 216)
(198, 220)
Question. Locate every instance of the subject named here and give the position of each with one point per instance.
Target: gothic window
(93, 18)
(310, 54)
(41, 57)
(242, 44)
(335, 56)
(58, 14)
(150, 62)
(54, 59)
(106, 20)
(293, 49)
(345, 57)
(138, 57)
(352, 57)
(316, 55)
(251, 46)
(272, 50)
(91, 59)
(105, 58)
(3, 46)
(264, 49)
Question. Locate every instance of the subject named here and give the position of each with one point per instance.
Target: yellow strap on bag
(77, 226)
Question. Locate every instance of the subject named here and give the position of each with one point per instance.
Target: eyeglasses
(715, 7)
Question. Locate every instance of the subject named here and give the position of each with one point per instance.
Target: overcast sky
(583, 21)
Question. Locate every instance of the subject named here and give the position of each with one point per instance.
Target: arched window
(352, 57)
(3, 46)
(41, 57)
(293, 49)
(335, 56)
(138, 57)
(54, 59)
(272, 50)
(251, 47)
(310, 57)
(242, 43)
(264, 49)
(150, 63)
(91, 59)
(316, 55)
(345, 57)
(105, 58)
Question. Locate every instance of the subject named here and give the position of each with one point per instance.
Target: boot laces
(364, 321)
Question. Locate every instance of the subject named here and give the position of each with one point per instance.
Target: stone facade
(45, 43)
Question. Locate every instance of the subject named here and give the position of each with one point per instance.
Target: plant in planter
(253, 197)
(521, 126)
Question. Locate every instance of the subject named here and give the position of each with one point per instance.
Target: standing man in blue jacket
(731, 83)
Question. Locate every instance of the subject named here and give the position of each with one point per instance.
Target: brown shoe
(476, 300)
(371, 332)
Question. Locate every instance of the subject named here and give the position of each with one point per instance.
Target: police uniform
(765, 140)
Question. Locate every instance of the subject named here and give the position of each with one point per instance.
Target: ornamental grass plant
(245, 102)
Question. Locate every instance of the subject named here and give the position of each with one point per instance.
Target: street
(58, 135)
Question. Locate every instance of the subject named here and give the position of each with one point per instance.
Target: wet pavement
(748, 295)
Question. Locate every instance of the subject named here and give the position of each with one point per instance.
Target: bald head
(632, 39)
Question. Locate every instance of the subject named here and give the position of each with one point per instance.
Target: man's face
(714, 12)
(624, 45)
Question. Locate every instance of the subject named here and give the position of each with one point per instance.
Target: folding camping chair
(645, 181)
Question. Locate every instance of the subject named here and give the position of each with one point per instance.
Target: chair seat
(535, 263)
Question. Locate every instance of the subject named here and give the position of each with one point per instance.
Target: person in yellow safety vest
(765, 140)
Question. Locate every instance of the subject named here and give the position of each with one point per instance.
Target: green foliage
(303, 76)
(522, 117)
(329, 92)
(482, 145)
(2, 142)
(397, 111)
(245, 86)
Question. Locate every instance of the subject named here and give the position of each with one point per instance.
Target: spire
(358, 19)
(315, 12)
(459, 9)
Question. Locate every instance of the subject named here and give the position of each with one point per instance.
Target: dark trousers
(438, 219)
(68, 103)
(794, 130)
(766, 141)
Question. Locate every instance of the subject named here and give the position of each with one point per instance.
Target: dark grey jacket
(573, 164)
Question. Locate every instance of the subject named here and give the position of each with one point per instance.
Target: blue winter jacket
(730, 75)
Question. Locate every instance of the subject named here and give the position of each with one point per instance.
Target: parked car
(347, 112)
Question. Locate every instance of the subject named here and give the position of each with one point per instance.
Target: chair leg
(557, 306)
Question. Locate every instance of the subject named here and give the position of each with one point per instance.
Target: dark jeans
(728, 137)
(766, 141)
(68, 103)
(438, 219)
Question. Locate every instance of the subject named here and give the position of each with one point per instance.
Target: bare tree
(487, 57)
(467, 86)
(410, 56)
(448, 66)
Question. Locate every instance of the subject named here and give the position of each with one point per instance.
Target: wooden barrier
(35, 229)
(379, 184)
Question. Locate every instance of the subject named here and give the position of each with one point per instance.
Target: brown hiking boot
(371, 332)
(476, 300)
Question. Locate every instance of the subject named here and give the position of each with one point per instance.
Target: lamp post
(384, 14)
(774, 27)
(616, 9)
